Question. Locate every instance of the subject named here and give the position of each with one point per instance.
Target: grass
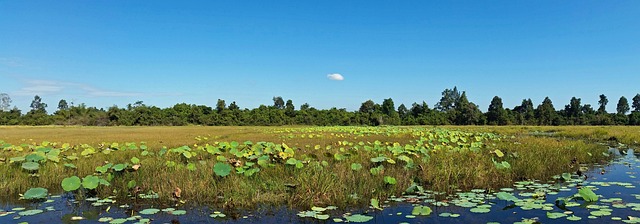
(327, 153)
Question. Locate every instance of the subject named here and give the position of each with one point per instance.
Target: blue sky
(105, 53)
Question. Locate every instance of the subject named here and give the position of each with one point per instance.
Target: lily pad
(30, 212)
(421, 210)
(150, 211)
(36, 193)
(358, 218)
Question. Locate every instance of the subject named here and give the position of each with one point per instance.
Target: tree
(573, 111)
(38, 105)
(623, 106)
(367, 107)
(403, 111)
(290, 109)
(5, 102)
(220, 105)
(278, 102)
(525, 114)
(636, 103)
(62, 105)
(496, 115)
(602, 109)
(233, 106)
(466, 113)
(546, 113)
(449, 99)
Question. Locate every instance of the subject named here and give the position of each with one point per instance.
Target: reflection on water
(616, 183)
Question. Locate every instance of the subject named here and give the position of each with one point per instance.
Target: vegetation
(298, 166)
(454, 108)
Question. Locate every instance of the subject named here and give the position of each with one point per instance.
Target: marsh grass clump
(302, 167)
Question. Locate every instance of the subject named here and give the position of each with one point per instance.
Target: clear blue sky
(105, 53)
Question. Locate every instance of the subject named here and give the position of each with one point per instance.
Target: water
(616, 183)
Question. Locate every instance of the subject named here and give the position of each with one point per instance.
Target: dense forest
(453, 108)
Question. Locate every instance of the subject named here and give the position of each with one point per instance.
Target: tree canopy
(454, 108)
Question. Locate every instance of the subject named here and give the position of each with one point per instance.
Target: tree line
(454, 108)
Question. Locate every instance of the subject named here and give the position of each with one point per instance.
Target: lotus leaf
(587, 194)
(375, 204)
(150, 211)
(178, 212)
(31, 166)
(421, 210)
(358, 218)
(222, 169)
(36, 193)
(119, 167)
(34, 157)
(506, 196)
(30, 212)
(390, 180)
(90, 182)
(356, 166)
(71, 183)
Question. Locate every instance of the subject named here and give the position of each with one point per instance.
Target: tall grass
(322, 181)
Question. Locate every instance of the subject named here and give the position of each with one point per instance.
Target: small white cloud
(335, 76)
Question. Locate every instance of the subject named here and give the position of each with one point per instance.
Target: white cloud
(51, 87)
(335, 76)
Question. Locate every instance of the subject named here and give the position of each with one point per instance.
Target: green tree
(278, 102)
(623, 106)
(496, 115)
(546, 113)
(525, 113)
(221, 105)
(290, 109)
(636, 103)
(449, 99)
(38, 105)
(466, 113)
(573, 111)
(602, 108)
(62, 105)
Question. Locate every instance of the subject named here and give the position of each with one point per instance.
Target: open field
(296, 166)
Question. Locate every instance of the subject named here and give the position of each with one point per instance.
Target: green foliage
(71, 183)
(390, 180)
(90, 182)
(587, 194)
(222, 169)
(36, 193)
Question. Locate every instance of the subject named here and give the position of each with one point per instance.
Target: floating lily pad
(30, 212)
(480, 210)
(358, 218)
(36, 193)
(150, 211)
(421, 210)
(178, 212)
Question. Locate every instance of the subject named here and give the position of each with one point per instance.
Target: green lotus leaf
(222, 169)
(36, 193)
(358, 218)
(90, 182)
(71, 183)
(31, 166)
